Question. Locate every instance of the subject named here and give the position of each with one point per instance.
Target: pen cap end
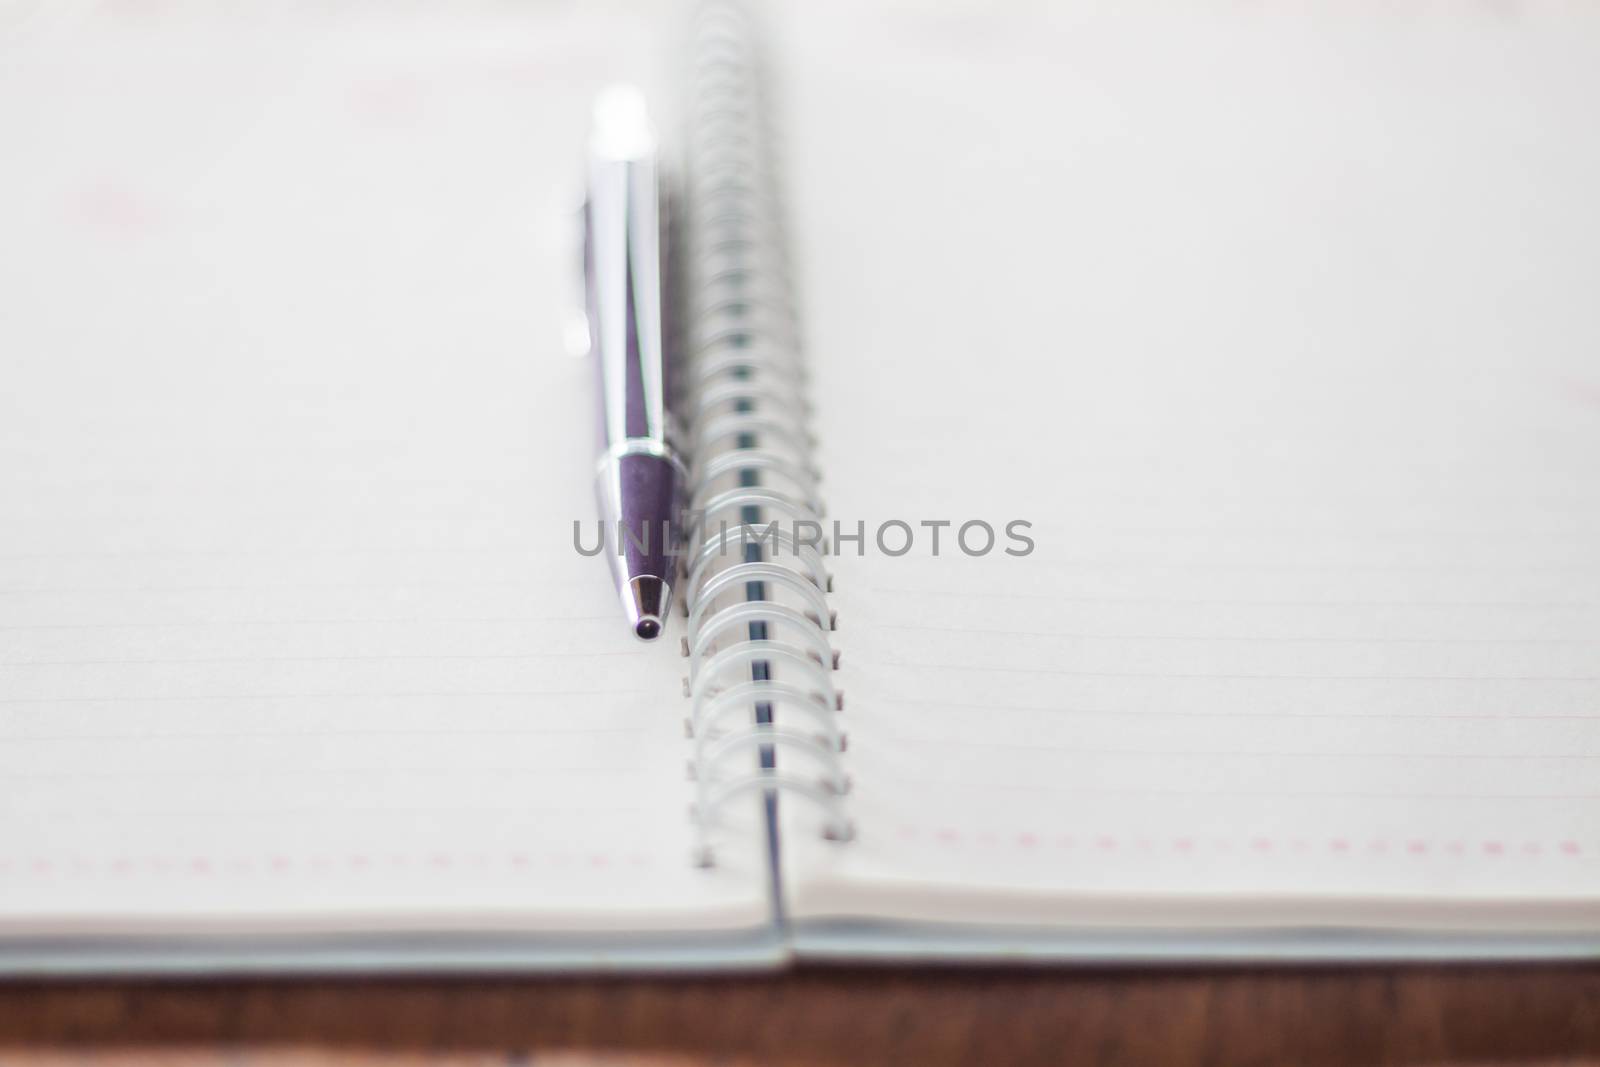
(622, 124)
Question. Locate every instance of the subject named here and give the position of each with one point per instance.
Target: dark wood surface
(1413, 1015)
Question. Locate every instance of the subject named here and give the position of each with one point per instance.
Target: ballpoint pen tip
(645, 599)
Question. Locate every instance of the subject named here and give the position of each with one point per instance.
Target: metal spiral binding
(756, 596)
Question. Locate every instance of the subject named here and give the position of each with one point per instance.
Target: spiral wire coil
(763, 702)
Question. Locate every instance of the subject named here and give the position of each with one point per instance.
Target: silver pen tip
(646, 599)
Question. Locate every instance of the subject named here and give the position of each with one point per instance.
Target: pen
(639, 474)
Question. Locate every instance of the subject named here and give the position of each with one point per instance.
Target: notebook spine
(763, 702)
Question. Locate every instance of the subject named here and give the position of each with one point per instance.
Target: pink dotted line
(278, 864)
(952, 837)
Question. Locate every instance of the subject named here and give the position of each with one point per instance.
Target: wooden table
(1417, 1015)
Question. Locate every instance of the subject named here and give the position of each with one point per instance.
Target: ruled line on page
(376, 772)
(886, 772)
(370, 620)
(270, 553)
(275, 586)
(228, 815)
(1236, 639)
(1193, 676)
(230, 866)
(1348, 845)
(452, 694)
(1213, 714)
(378, 657)
(1063, 598)
(1204, 753)
(1118, 566)
(386, 731)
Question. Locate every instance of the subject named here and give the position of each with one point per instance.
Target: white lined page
(1279, 330)
(292, 632)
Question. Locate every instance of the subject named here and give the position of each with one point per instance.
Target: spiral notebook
(1262, 345)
